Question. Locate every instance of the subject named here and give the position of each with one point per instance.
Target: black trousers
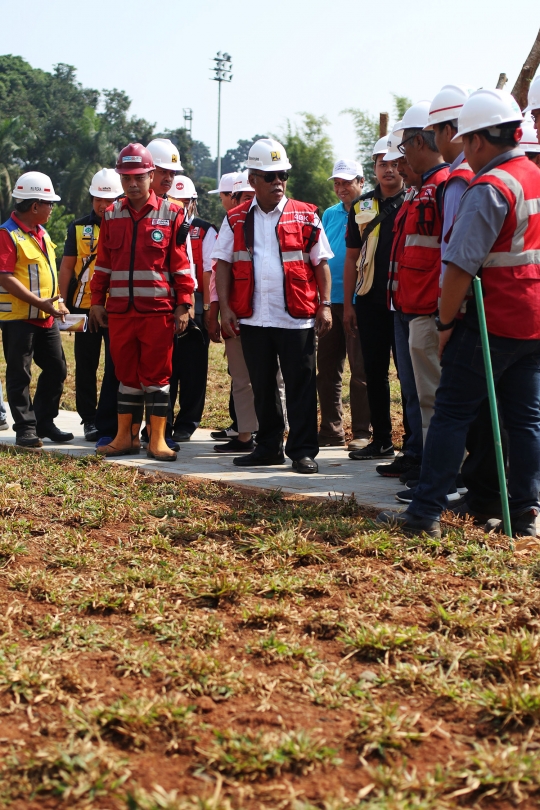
(479, 470)
(23, 343)
(295, 348)
(190, 372)
(106, 420)
(376, 330)
(87, 354)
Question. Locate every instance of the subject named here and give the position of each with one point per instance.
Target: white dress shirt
(269, 295)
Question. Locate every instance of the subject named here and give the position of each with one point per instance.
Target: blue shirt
(334, 222)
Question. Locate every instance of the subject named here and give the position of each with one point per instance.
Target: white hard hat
(165, 154)
(447, 104)
(34, 186)
(106, 184)
(225, 184)
(487, 108)
(241, 183)
(392, 142)
(529, 139)
(416, 117)
(267, 155)
(533, 100)
(381, 147)
(347, 170)
(183, 188)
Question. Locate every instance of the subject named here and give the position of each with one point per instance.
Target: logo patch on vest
(300, 217)
(366, 205)
(161, 222)
(195, 233)
(88, 230)
(157, 235)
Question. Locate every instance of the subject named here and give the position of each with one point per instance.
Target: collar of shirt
(93, 218)
(152, 202)
(378, 194)
(36, 232)
(458, 161)
(434, 169)
(279, 207)
(512, 153)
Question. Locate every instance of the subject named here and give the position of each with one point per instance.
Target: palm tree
(94, 151)
(10, 130)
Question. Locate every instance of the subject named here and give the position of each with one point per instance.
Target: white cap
(225, 184)
(106, 185)
(533, 100)
(529, 139)
(182, 188)
(267, 155)
(347, 170)
(165, 154)
(241, 183)
(34, 186)
(416, 117)
(381, 147)
(392, 143)
(485, 109)
(447, 104)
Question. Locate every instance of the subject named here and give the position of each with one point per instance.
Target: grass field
(180, 645)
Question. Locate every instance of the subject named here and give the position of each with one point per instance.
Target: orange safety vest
(296, 232)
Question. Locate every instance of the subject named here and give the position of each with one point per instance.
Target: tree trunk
(503, 78)
(521, 87)
(383, 124)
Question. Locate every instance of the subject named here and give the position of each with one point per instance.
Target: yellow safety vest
(87, 237)
(35, 270)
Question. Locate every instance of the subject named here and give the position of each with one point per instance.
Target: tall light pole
(222, 73)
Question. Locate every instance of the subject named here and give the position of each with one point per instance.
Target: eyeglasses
(269, 177)
(401, 146)
(44, 202)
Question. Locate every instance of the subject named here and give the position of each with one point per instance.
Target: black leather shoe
(181, 436)
(523, 525)
(235, 446)
(305, 465)
(91, 433)
(409, 523)
(28, 440)
(257, 459)
(53, 433)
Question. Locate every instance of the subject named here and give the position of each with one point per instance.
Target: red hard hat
(134, 159)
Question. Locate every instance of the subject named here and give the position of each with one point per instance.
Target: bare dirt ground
(171, 644)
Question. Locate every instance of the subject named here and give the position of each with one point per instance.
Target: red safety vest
(197, 231)
(420, 261)
(511, 271)
(461, 172)
(297, 232)
(397, 249)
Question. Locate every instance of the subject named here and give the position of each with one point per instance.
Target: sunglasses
(269, 177)
(401, 146)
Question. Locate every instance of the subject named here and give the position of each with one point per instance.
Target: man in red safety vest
(273, 283)
(141, 290)
(496, 234)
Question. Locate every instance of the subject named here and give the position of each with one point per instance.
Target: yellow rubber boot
(126, 442)
(157, 446)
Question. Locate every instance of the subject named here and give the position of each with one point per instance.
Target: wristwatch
(325, 304)
(443, 327)
(206, 307)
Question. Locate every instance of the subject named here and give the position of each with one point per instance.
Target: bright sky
(289, 56)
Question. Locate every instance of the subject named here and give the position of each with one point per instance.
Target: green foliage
(366, 127)
(401, 105)
(309, 150)
(57, 227)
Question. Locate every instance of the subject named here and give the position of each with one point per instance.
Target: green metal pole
(492, 405)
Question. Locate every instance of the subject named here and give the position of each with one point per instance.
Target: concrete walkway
(338, 474)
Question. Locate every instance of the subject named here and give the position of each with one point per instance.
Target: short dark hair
(503, 135)
(427, 135)
(22, 206)
(453, 123)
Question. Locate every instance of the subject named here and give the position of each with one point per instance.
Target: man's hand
(349, 320)
(47, 305)
(98, 317)
(229, 322)
(323, 321)
(181, 318)
(444, 337)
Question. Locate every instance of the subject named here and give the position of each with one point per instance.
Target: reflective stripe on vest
(418, 240)
(34, 269)
(511, 272)
(87, 237)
